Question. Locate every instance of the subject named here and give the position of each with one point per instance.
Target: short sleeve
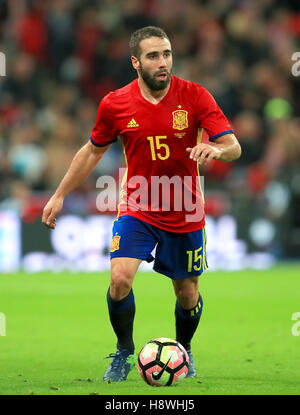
(211, 117)
(104, 131)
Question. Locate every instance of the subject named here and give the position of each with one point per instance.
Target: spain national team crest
(180, 119)
(115, 242)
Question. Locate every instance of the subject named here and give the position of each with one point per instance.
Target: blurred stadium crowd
(63, 56)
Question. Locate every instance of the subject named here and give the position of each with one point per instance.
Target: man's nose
(162, 62)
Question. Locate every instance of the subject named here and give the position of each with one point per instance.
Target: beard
(151, 81)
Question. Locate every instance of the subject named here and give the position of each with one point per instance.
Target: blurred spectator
(23, 82)
(26, 157)
(248, 127)
(19, 196)
(62, 146)
(32, 31)
(60, 30)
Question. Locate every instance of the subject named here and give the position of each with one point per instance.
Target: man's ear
(135, 62)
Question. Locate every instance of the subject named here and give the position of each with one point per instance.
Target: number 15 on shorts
(194, 259)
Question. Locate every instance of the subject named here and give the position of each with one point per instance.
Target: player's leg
(121, 308)
(120, 300)
(182, 257)
(188, 311)
(132, 242)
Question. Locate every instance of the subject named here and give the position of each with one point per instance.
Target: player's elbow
(238, 151)
(231, 154)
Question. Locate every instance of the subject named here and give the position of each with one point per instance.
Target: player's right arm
(82, 165)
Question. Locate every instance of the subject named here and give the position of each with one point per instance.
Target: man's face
(155, 62)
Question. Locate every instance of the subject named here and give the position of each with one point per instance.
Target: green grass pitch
(58, 333)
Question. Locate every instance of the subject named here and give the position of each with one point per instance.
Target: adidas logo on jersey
(132, 123)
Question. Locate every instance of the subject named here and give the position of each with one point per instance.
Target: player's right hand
(51, 210)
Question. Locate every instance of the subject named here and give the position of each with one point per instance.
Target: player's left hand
(204, 153)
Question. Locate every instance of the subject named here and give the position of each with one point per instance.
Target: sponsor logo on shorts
(115, 243)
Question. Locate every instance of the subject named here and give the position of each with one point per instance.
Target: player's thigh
(124, 269)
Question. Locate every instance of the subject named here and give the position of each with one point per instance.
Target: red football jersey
(161, 185)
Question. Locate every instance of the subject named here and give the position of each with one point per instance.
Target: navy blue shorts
(177, 255)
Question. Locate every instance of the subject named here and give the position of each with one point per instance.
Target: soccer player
(159, 119)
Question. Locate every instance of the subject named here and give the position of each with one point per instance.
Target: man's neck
(151, 95)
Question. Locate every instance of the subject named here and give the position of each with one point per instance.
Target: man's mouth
(162, 76)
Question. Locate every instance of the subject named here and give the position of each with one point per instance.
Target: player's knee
(120, 283)
(187, 293)
(187, 297)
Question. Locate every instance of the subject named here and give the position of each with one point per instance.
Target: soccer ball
(163, 362)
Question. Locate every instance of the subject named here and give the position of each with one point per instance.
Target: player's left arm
(225, 148)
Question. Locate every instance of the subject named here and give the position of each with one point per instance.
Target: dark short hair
(144, 33)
